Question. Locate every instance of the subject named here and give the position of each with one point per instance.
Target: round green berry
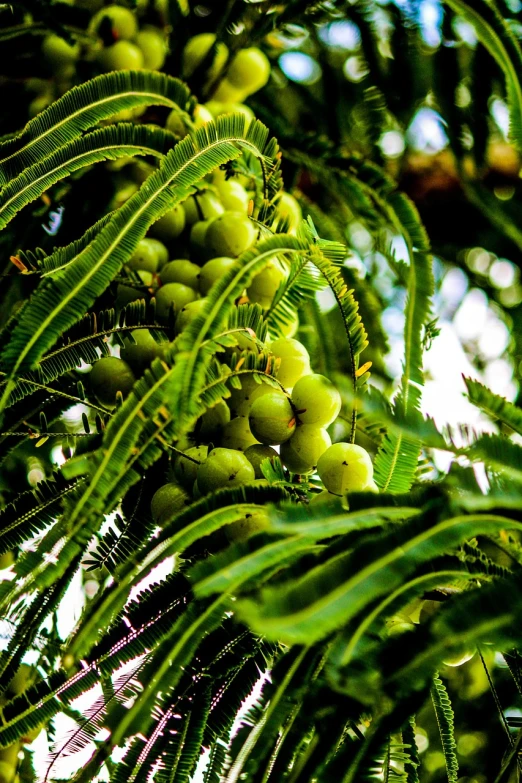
(256, 454)
(241, 400)
(230, 234)
(121, 56)
(233, 196)
(140, 353)
(202, 206)
(210, 425)
(236, 434)
(246, 527)
(264, 286)
(272, 419)
(185, 469)
(301, 453)
(188, 313)
(249, 70)
(145, 256)
(196, 50)
(224, 468)
(181, 271)
(213, 271)
(123, 23)
(153, 47)
(170, 225)
(108, 376)
(345, 467)
(316, 400)
(172, 295)
(168, 501)
(58, 53)
(294, 360)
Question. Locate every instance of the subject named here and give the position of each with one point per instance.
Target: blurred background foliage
(404, 85)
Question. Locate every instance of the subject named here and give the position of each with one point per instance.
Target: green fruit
(459, 658)
(371, 486)
(213, 271)
(185, 470)
(202, 206)
(212, 422)
(196, 50)
(264, 286)
(272, 419)
(122, 21)
(58, 53)
(295, 360)
(316, 400)
(198, 241)
(38, 104)
(172, 295)
(233, 196)
(301, 453)
(168, 501)
(188, 313)
(161, 250)
(217, 108)
(108, 376)
(224, 468)
(256, 454)
(345, 467)
(236, 434)
(181, 271)
(153, 47)
(324, 498)
(121, 56)
(249, 70)
(9, 755)
(244, 528)
(241, 400)
(230, 234)
(170, 225)
(145, 256)
(288, 209)
(140, 354)
(225, 92)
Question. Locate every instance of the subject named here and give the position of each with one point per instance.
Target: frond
(445, 720)
(494, 32)
(83, 107)
(111, 143)
(412, 765)
(494, 405)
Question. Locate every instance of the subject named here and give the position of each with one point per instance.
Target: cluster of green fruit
(289, 411)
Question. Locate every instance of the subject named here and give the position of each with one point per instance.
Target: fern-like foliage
(445, 720)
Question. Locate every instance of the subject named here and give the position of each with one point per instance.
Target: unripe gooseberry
(121, 56)
(224, 468)
(209, 426)
(230, 234)
(58, 53)
(241, 400)
(256, 454)
(145, 256)
(187, 313)
(197, 48)
(272, 419)
(236, 434)
(181, 271)
(170, 225)
(288, 209)
(264, 286)
(294, 360)
(108, 376)
(213, 271)
(301, 453)
(167, 501)
(233, 195)
(8, 773)
(199, 249)
(153, 47)
(226, 92)
(345, 467)
(316, 400)
(202, 206)
(140, 353)
(246, 527)
(123, 23)
(172, 295)
(249, 70)
(185, 469)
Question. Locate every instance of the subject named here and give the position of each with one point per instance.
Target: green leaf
(85, 106)
(310, 608)
(111, 143)
(494, 405)
(494, 32)
(445, 719)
